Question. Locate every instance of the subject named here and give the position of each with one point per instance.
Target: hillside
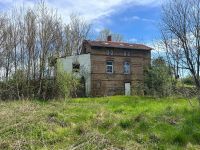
(100, 123)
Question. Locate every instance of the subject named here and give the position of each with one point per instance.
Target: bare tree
(106, 32)
(30, 38)
(48, 23)
(173, 54)
(76, 31)
(2, 38)
(181, 32)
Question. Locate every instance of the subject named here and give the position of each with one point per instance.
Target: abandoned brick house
(109, 68)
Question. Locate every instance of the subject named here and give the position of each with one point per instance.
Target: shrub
(158, 81)
(19, 87)
(15, 87)
(138, 88)
(67, 83)
(188, 80)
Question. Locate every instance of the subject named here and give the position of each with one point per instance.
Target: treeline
(160, 81)
(30, 40)
(180, 47)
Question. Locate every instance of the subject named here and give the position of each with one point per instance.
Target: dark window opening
(76, 67)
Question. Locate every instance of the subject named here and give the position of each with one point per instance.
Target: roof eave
(149, 49)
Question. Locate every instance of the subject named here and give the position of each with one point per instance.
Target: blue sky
(136, 23)
(136, 20)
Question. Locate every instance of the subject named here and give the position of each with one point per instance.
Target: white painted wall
(85, 68)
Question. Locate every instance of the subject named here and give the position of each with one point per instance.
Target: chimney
(109, 38)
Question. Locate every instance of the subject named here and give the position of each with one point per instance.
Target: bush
(67, 83)
(188, 80)
(15, 87)
(138, 89)
(158, 81)
(18, 86)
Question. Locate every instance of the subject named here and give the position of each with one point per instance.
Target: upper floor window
(109, 52)
(127, 53)
(109, 66)
(126, 67)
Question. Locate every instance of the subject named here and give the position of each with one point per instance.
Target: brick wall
(102, 83)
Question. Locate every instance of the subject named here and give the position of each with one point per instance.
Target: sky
(136, 20)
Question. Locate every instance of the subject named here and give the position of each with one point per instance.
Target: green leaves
(158, 80)
(67, 83)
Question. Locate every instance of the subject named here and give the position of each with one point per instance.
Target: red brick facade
(103, 83)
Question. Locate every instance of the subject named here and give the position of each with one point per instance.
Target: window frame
(107, 65)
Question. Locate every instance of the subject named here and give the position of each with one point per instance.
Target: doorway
(127, 88)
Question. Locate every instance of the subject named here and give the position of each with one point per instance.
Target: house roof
(118, 45)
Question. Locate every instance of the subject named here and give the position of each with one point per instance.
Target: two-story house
(109, 68)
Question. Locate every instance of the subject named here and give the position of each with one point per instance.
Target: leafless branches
(29, 37)
(181, 35)
(106, 32)
(76, 31)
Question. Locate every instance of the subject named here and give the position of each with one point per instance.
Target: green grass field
(109, 123)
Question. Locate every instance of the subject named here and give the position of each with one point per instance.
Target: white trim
(109, 66)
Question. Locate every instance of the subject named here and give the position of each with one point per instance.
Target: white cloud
(157, 45)
(132, 40)
(136, 18)
(101, 23)
(96, 12)
(89, 9)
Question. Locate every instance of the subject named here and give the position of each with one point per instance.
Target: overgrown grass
(100, 123)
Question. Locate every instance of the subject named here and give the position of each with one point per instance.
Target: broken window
(109, 66)
(76, 67)
(126, 67)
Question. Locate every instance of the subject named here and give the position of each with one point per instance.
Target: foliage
(158, 80)
(18, 87)
(15, 87)
(31, 39)
(137, 89)
(188, 80)
(180, 30)
(67, 83)
(117, 122)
